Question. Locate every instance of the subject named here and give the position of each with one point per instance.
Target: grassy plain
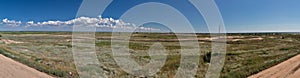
(247, 54)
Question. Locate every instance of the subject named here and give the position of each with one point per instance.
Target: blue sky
(238, 15)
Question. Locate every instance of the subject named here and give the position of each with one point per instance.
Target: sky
(238, 15)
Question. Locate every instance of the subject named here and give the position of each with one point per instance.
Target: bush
(207, 57)
(284, 49)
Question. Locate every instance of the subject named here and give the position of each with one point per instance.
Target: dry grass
(51, 53)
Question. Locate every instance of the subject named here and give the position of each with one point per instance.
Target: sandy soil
(286, 69)
(12, 69)
(229, 38)
(6, 41)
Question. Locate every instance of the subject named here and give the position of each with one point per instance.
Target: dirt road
(286, 69)
(12, 69)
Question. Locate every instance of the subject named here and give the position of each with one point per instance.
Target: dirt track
(286, 69)
(12, 69)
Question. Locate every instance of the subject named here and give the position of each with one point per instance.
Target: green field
(247, 54)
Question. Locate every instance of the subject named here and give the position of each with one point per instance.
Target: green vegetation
(33, 64)
(247, 54)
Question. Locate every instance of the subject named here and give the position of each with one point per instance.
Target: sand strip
(12, 69)
(286, 69)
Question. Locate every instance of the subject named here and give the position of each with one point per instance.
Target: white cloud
(98, 22)
(87, 21)
(84, 21)
(30, 23)
(11, 22)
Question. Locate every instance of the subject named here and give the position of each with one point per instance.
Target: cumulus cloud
(84, 21)
(11, 22)
(30, 23)
(98, 22)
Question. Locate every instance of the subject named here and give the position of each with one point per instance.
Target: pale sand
(12, 69)
(6, 41)
(286, 69)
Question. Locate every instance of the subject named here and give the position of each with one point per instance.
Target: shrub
(207, 57)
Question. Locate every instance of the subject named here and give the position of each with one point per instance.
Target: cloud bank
(99, 22)
(11, 22)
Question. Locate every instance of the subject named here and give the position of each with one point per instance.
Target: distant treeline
(70, 32)
(265, 33)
